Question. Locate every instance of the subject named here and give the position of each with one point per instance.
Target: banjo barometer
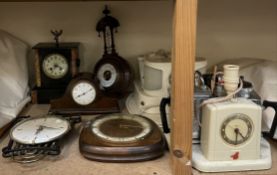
(113, 72)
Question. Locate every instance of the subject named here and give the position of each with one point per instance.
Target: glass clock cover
(55, 66)
(107, 75)
(39, 130)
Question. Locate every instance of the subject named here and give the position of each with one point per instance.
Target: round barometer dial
(55, 66)
(83, 92)
(237, 129)
(107, 75)
(39, 130)
(121, 128)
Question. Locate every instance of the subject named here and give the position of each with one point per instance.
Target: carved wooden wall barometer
(113, 71)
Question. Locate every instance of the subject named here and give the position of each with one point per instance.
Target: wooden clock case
(67, 106)
(95, 148)
(124, 78)
(108, 25)
(47, 88)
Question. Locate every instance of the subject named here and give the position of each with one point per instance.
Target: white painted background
(226, 28)
(237, 28)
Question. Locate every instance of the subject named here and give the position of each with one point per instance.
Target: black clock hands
(58, 66)
(237, 131)
(241, 135)
(84, 93)
(39, 129)
(49, 127)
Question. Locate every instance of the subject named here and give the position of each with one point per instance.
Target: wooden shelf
(62, 0)
(184, 36)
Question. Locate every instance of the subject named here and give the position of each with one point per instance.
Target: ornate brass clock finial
(57, 34)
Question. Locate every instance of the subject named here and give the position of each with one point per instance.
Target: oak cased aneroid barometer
(231, 130)
(83, 96)
(113, 72)
(55, 65)
(121, 138)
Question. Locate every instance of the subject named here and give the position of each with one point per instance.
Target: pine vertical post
(184, 46)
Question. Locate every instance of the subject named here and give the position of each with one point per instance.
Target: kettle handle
(273, 128)
(164, 102)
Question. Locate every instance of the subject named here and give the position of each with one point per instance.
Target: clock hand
(241, 135)
(80, 95)
(236, 131)
(48, 127)
(39, 129)
(57, 66)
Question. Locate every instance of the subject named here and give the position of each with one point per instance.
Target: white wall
(145, 26)
(226, 28)
(237, 28)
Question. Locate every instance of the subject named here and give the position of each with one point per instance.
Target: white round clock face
(107, 75)
(39, 130)
(237, 129)
(55, 66)
(121, 128)
(83, 93)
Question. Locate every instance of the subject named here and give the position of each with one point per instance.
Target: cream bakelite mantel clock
(231, 130)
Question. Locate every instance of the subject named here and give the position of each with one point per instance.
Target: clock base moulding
(202, 164)
(65, 106)
(82, 96)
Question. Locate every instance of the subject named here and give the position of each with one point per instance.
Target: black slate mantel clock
(55, 65)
